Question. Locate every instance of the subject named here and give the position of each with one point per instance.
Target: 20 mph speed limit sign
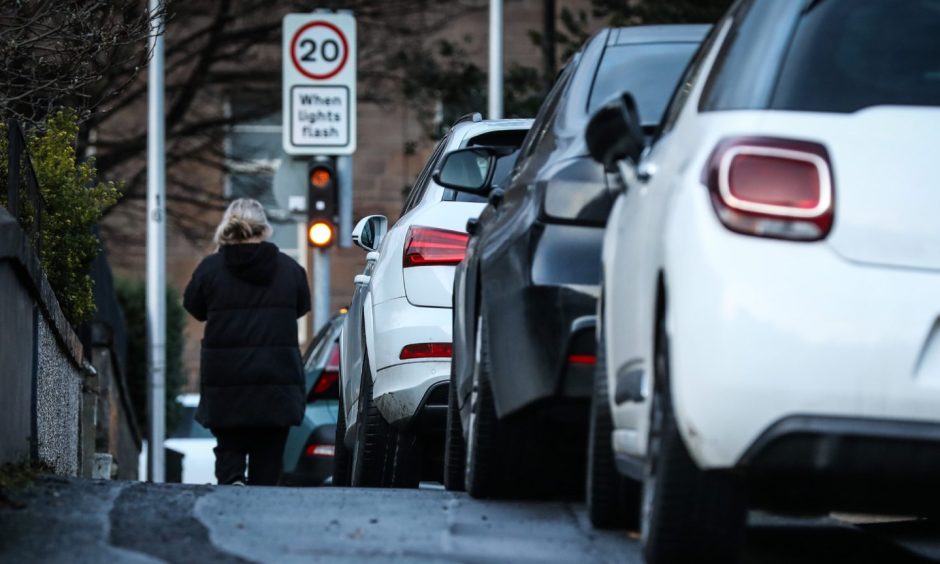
(319, 78)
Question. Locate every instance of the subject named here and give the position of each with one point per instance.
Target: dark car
(526, 294)
(308, 454)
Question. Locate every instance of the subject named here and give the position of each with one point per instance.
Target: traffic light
(322, 202)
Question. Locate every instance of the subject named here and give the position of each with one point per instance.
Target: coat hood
(252, 262)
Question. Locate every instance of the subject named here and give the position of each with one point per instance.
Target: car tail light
(326, 386)
(426, 350)
(772, 188)
(582, 359)
(319, 450)
(426, 246)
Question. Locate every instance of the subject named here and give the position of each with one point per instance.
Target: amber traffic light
(322, 202)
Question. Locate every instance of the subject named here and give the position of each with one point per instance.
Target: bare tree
(78, 54)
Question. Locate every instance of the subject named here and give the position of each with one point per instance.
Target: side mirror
(470, 170)
(369, 232)
(615, 133)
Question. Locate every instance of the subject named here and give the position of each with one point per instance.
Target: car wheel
(482, 475)
(688, 515)
(405, 461)
(613, 500)
(371, 436)
(455, 448)
(341, 453)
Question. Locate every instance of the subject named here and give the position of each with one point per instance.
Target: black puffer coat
(251, 373)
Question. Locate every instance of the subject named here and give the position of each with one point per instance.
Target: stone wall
(41, 363)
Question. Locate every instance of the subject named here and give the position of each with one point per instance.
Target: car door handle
(361, 280)
(372, 256)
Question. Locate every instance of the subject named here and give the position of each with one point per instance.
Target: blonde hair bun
(243, 220)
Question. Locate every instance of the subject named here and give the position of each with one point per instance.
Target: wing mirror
(615, 133)
(470, 170)
(369, 232)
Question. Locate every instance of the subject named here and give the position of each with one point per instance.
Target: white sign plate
(319, 84)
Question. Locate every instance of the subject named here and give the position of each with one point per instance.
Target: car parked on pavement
(194, 442)
(525, 297)
(771, 292)
(396, 341)
(308, 453)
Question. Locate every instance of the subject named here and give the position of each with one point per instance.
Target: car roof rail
(474, 117)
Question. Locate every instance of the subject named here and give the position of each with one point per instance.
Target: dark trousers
(262, 447)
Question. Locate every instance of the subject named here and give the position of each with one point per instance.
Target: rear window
(649, 71)
(847, 55)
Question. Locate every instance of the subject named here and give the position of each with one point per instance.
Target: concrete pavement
(67, 520)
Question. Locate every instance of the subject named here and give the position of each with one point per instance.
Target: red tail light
(327, 386)
(426, 350)
(772, 188)
(426, 246)
(320, 450)
(582, 359)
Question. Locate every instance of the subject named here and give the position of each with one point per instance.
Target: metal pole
(495, 109)
(344, 169)
(321, 288)
(156, 250)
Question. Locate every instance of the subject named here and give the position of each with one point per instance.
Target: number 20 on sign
(319, 70)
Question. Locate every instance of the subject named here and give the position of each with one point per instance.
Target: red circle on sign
(293, 51)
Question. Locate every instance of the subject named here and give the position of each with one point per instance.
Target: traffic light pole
(344, 170)
(321, 288)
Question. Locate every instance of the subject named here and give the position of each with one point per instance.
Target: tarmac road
(70, 520)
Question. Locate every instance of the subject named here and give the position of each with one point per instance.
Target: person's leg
(230, 453)
(265, 456)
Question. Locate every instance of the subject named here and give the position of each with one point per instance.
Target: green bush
(74, 201)
(132, 294)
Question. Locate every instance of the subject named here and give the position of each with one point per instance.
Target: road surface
(70, 520)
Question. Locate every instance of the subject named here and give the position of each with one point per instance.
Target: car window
(683, 88)
(421, 184)
(649, 71)
(848, 55)
(546, 114)
(189, 428)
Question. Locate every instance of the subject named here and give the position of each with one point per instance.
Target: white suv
(770, 316)
(396, 343)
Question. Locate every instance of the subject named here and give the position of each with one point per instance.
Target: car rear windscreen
(848, 54)
(649, 71)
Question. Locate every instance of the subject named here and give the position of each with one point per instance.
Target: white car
(396, 342)
(193, 441)
(770, 318)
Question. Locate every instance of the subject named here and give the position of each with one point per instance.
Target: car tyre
(455, 447)
(405, 460)
(371, 436)
(613, 500)
(688, 515)
(341, 469)
(483, 472)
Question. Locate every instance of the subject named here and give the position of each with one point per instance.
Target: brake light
(582, 359)
(320, 450)
(772, 188)
(326, 386)
(426, 246)
(426, 350)
(327, 379)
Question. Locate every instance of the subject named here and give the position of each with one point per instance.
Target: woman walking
(251, 376)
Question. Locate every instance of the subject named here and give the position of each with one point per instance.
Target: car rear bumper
(846, 463)
(532, 334)
(402, 391)
(763, 330)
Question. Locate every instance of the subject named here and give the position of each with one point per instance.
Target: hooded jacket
(251, 374)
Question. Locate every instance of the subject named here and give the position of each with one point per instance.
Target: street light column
(495, 110)
(156, 248)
